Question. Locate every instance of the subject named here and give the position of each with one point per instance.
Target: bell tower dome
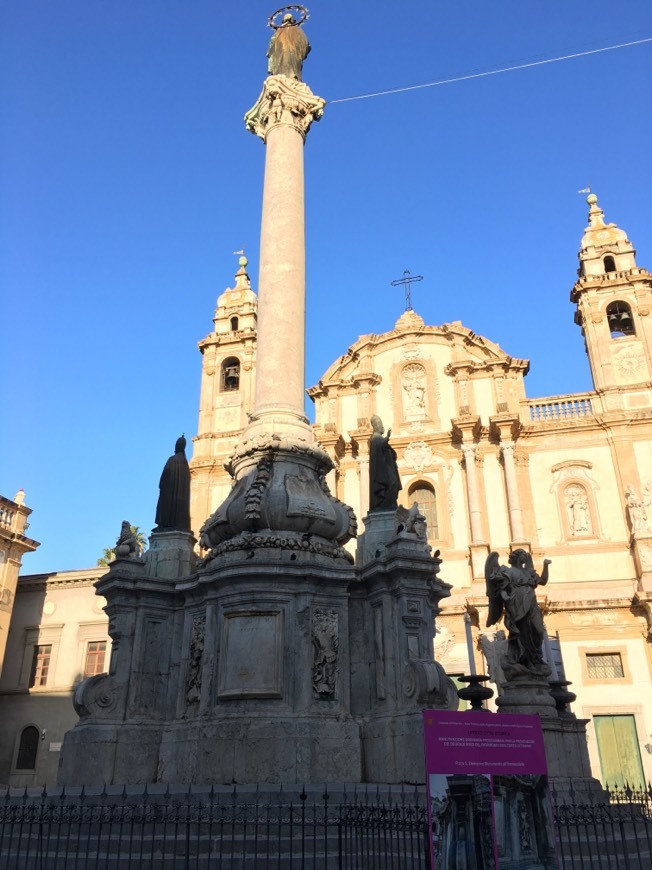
(614, 300)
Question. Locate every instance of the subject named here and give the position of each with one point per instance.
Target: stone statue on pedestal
(127, 546)
(288, 48)
(384, 479)
(511, 593)
(173, 508)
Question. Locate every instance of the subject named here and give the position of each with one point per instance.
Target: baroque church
(565, 477)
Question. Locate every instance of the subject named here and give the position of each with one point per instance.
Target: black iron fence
(229, 828)
(268, 827)
(609, 831)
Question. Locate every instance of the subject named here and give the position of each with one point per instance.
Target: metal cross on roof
(407, 280)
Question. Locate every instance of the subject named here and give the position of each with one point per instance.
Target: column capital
(507, 447)
(284, 102)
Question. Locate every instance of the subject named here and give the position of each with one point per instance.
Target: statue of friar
(384, 479)
(173, 508)
(288, 49)
(511, 592)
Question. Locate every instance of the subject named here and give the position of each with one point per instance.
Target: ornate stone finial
(596, 215)
(289, 46)
(19, 498)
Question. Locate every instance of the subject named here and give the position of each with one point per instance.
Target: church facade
(566, 477)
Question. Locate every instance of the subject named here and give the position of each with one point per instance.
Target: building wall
(59, 611)
(14, 543)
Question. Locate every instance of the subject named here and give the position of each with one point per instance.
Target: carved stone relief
(637, 513)
(418, 455)
(193, 679)
(444, 642)
(379, 652)
(645, 553)
(577, 510)
(630, 363)
(325, 644)
(575, 488)
(413, 382)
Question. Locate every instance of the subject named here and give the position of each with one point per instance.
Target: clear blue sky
(128, 179)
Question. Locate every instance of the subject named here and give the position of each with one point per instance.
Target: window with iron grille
(40, 665)
(95, 654)
(604, 666)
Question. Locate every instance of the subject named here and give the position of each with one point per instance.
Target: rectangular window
(95, 654)
(604, 666)
(40, 665)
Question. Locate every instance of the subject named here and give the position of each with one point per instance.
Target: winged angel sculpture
(511, 592)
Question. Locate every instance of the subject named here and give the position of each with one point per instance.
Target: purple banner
(488, 799)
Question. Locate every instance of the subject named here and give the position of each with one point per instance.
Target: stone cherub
(288, 49)
(511, 592)
(384, 479)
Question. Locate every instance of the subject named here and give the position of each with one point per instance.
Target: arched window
(619, 318)
(27, 748)
(424, 495)
(234, 324)
(230, 375)
(609, 264)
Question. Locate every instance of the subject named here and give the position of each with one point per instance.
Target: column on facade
(472, 492)
(513, 499)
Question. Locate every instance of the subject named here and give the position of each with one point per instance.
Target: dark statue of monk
(384, 479)
(288, 49)
(173, 508)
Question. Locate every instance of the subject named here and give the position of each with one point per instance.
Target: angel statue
(511, 593)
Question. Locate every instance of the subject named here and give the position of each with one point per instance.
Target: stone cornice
(60, 580)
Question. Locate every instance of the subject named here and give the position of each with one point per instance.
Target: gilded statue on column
(289, 46)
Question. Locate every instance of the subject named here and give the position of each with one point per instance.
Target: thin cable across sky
(493, 72)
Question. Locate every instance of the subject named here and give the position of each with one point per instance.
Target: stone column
(282, 117)
(472, 494)
(478, 548)
(513, 500)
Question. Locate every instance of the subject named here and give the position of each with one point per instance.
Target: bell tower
(614, 300)
(227, 390)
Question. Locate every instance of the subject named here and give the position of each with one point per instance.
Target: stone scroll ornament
(289, 46)
(512, 596)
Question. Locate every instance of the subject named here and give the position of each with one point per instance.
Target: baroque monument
(272, 658)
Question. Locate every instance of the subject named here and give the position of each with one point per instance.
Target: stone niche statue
(173, 508)
(384, 479)
(511, 592)
(288, 48)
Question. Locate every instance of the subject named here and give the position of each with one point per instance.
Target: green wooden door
(620, 756)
